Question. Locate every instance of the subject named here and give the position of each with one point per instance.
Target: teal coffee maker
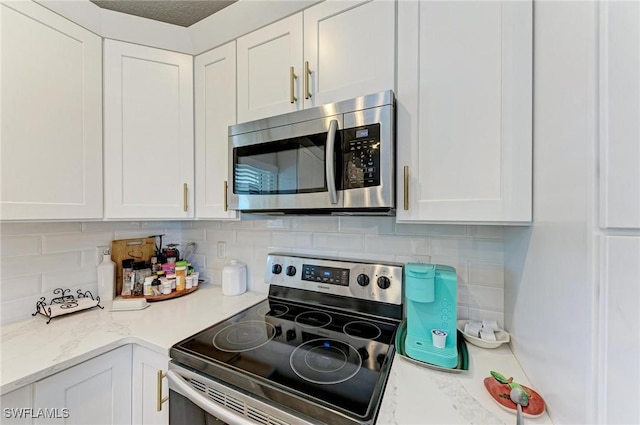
(431, 292)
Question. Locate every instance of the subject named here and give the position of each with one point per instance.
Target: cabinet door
(16, 405)
(97, 391)
(51, 90)
(148, 132)
(619, 111)
(215, 96)
(464, 103)
(350, 50)
(146, 365)
(265, 84)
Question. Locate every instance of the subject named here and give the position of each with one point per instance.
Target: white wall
(571, 288)
(39, 257)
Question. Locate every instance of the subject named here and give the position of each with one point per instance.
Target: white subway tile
(315, 224)
(368, 256)
(33, 264)
(220, 235)
(69, 279)
(483, 297)
(20, 309)
(395, 245)
(253, 237)
(201, 224)
(338, 241)
(292, 239)
(110, 226)
(21, 287)
(368, 225)
(14, 246)
(194, 235)
(487, 232)
(463, 312)
(486, 273)
(462, 271)
(483, 314)
(472, 249)
(161, 225)
(198, 261)
(240, 224)
(41, 227)
(270, 223)
(454, 230)
(75, 241)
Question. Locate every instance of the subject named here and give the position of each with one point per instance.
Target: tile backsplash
(39, 257)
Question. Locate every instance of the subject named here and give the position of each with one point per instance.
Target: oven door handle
(328, 161)
(196, 397)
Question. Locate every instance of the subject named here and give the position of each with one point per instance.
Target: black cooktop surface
(331, 358)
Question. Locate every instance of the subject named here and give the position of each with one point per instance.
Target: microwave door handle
(328, 161)
(212, 408)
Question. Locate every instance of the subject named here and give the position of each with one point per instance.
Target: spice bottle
(127, 271)
(181, 274)
(148, 290)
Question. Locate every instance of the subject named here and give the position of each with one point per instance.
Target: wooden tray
(139, 249)
(174, 294)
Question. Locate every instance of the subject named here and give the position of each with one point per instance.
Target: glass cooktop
(331, 358)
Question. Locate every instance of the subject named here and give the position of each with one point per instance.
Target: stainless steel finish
(307, 75)
(159, 398)
(225, 403)
(292, 78)
(371, 292)
(330, 171)
(406, 187)
(371, 109)
(351, 105)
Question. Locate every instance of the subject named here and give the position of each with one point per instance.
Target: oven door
(290, 167)
(196, 399)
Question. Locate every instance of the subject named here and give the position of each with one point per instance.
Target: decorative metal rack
(66, 303)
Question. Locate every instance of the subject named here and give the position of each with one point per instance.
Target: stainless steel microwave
(332, 159)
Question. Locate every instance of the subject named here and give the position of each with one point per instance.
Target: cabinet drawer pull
(226, 203)
(184, 197)
(160, 399)
(307, 75)
(406, 187)
(292, 78)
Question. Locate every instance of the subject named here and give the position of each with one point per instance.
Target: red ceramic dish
(500, 394)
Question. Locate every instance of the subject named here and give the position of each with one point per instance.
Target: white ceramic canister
(234, 278)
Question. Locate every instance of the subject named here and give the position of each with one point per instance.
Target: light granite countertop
(31, 350)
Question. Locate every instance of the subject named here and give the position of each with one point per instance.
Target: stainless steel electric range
(318, 350)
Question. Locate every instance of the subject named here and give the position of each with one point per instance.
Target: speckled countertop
(31, 350)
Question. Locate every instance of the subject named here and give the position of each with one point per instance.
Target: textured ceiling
(178, 12)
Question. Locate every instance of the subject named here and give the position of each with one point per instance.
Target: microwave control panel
(361, 156)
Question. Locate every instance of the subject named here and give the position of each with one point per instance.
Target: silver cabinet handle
(328, 160)
(160, 399)
(196, 397)
(292, 78)
(307, 75)
(406, 187)
(226, 203)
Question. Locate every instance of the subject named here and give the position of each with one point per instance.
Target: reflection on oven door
(183, 411)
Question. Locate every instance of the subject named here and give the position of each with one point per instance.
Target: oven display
(330, 275)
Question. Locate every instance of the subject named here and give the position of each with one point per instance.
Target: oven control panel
(361, 279)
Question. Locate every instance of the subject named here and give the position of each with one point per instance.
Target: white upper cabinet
(619, 111)
(464, 111)
(269, 70)
(348, 51)
(215, 96)
(51, 130)
(148, 132)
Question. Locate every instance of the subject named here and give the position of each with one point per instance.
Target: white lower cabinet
(146, 387)
(464, 111)
(15, 406)
(97, 391)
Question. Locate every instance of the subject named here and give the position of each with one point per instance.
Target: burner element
(273, 310)
(313, 319)
(325, 361)
(362, 330)
(244, 336)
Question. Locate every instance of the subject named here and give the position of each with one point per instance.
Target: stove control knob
(384, 282)
(276, 269)
(291, 271)
(362, 279)
(291, 335)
